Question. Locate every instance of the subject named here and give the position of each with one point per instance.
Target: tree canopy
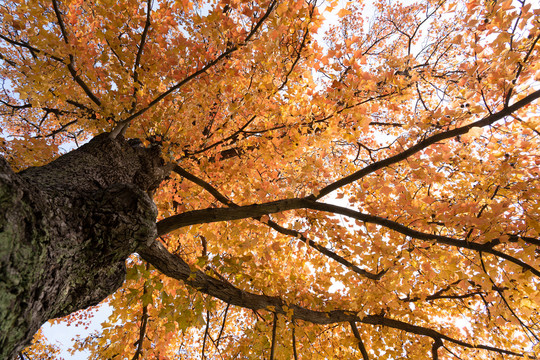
(349, 180)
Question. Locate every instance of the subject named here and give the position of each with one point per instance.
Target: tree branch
(295, 355)
(139, 54)
(30, 47)
(424, 144)
(175, 267)
(10, 62)
(299, 51)
(440, 294)
(361, 346)
(498, 290)
(60, 21)
(69, 64)
(274, 329)
(142, 329)
(222, 325)
(210, 215)
(439, 239)
(435, 348)
(420, 330)
(519, 69)
(289, 232)
(205, 334)
(195, 74)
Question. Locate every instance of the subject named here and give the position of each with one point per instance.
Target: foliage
(41, 349)
(393, 149)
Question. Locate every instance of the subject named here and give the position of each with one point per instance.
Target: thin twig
(294, 341)
(222, 325)
(142, 329)
(205, 333)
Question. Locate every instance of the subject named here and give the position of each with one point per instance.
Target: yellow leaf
(344, 12)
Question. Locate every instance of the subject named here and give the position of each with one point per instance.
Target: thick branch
(323, 250)
(435, 348)
(175, 267)
(226, 214)
(253, 211)
(426, 143)
(274, 328)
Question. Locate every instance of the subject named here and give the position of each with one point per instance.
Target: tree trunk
(66, 229)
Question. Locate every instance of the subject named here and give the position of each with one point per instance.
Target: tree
(259, 182)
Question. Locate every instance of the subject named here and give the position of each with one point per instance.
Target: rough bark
(66, 229)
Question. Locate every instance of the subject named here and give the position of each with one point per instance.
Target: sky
(62, 334)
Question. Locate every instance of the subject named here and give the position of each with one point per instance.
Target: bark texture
(66, 229)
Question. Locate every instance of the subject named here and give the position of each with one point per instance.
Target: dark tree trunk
(66, 229)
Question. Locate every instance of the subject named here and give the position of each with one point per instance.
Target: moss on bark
(66, 229)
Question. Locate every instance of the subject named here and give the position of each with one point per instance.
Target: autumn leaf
(317, 179)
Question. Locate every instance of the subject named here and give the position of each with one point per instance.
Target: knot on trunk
(120, 218)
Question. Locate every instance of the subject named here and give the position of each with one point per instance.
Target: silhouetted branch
(139, 53)
(295, 355)
(424, 144)
(142, 329)
(210, 215)
(71, 61)
(435, 348)
(175, 267)
(29, 47)
(195, 74)
(289, 232)
(439, 295)
(205, 334)
(222, 325)
(274, 328)
(520, 69)
(498, 290)
(361, 346)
